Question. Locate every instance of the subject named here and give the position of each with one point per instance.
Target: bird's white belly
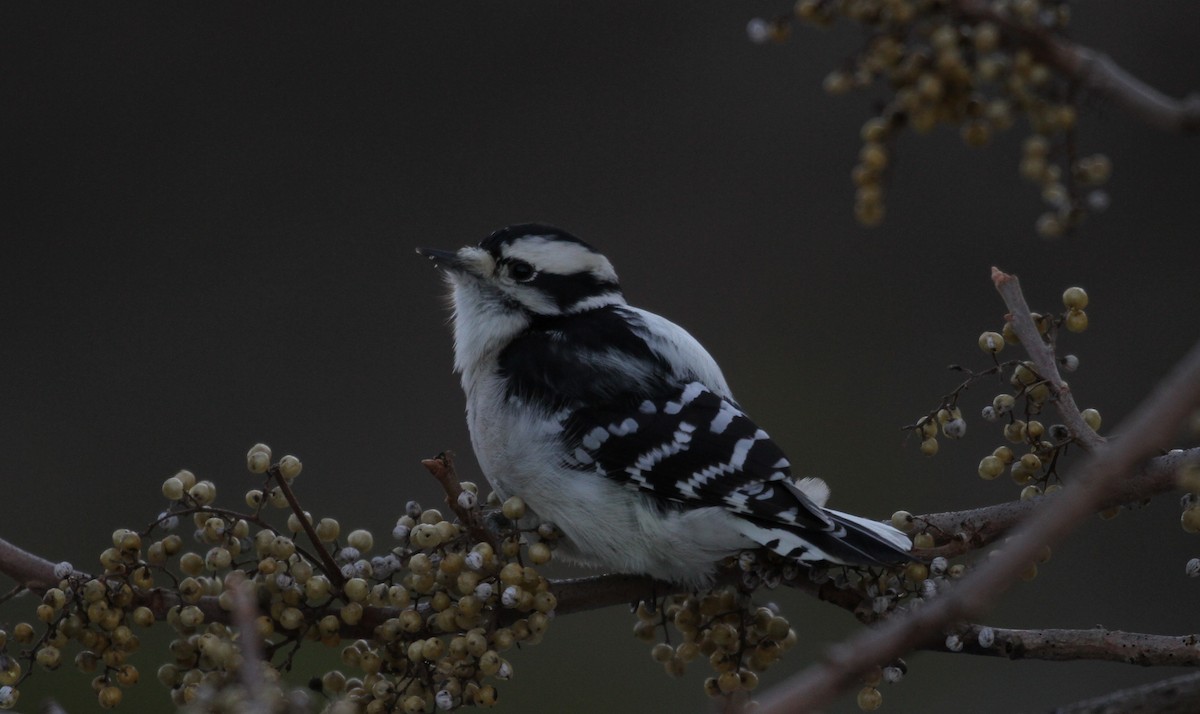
(605, 524)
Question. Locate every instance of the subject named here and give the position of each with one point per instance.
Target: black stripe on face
(569, 290)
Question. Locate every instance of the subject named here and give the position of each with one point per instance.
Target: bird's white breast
(605, 524)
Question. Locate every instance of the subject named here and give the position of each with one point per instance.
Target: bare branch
(1146, 431)
(1054, 645)
(1096, 73)
(1177, 695)
(598, 591)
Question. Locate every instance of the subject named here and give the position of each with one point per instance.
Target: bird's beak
(445, 259)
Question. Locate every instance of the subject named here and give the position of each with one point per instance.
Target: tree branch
(1095, 72)
(29, 570)
(1146, 431)
(966, 530)
(1055, 645)
(1177, 695)
(1100, 486)
(977, 527)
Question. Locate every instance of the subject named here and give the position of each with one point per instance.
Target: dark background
(209, 219)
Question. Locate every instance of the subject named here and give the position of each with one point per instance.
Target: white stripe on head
(546, 253)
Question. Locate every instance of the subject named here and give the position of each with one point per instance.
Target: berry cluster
(978, 67)
(99, 614)
(741, 640)
(428, 618)
(721, 625)
(1033, 449)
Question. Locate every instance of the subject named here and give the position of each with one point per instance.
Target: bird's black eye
(521, 271)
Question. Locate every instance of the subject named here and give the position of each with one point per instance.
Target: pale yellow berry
(328, 530)
(361, 539)
(540, 553)
(289, 467)
(916, 572)
(1076, 320)
(173, 489)
(927, 426)
(110, 697)
(514, 508)
(903, 521)
(869, 699)
(1075, 298)
(991, 342)
(187, 478)
(277, 498)
(1190, 520)
(990, 467)
(290, 618)
(203, 492)
(191, 616)
(356, 589)
(729, 682)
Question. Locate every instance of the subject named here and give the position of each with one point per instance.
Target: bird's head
(531, 269)
(514, 277)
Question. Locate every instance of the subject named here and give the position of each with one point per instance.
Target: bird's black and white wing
(696, 449)
(654, 424)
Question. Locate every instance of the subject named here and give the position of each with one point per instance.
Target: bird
(615, 426)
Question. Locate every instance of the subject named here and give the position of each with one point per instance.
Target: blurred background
(207, 241)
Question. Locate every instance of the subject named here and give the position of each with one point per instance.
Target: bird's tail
(852, 540)
(870, 542)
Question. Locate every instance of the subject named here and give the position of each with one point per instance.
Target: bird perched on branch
(615, 425)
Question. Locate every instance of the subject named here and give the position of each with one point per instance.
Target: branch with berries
(1102, 478)
(431, 617)
(980, 66)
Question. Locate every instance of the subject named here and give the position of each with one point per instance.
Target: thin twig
(328, 565)
(1146, 431)
(1043, 358)
(442, 468)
